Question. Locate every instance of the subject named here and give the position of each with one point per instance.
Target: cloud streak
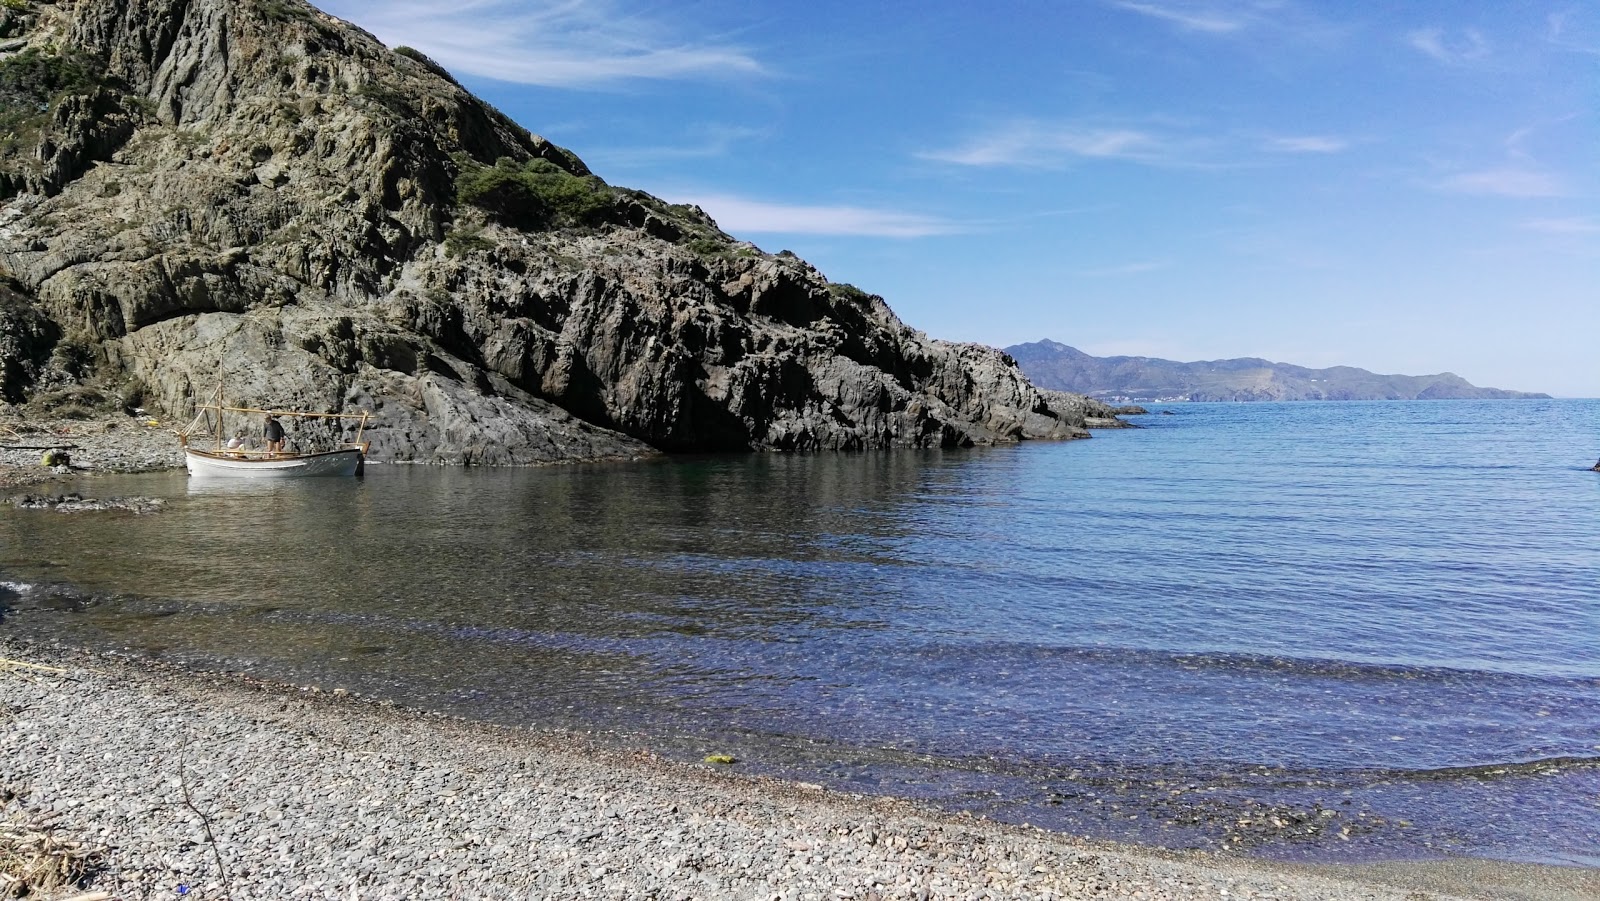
(743, 215)
(711, 142)
(1207, 21)
(1517, 183)
(1306, 144)
(549, 43)
(1281, 21)
(1570, 225)
(1127, 269)
(1468, 46)
(1038, 144)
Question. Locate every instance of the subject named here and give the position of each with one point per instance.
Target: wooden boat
(263, 465)
(221, 461)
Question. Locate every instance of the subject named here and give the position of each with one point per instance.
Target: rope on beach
(35, 861)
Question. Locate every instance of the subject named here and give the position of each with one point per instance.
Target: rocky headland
(1053, 365)
(256, 195)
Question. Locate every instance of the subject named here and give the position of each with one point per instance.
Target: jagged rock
(27, 338)
(260, 196)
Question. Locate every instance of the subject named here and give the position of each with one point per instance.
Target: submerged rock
(264, 197)
(77, 503)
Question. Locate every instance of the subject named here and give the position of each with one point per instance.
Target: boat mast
(219, 417)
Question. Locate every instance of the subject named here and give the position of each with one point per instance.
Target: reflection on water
(1341, 618)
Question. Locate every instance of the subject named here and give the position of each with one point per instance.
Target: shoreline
(240, 788)
(108, 444)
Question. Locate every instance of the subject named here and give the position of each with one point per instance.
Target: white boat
(221, 461)
(236, 464)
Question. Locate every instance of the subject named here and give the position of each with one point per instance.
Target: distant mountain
(1056, 366)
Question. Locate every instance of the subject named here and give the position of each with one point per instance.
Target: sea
(1327, 631)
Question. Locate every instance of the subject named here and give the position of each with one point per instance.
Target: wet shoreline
(355, 795)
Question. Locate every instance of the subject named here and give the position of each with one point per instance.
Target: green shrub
(708, 247)
(74, 356)
(847, 291)
(397, 102)
(463, 241)
(427, 62)
(32, 80)
(284, 10)
(535, 194)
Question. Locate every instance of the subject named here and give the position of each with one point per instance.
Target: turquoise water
(1323, 631)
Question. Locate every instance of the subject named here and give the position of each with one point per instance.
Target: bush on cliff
(32, 81)
(536, 194)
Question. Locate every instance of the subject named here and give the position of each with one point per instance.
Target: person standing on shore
(274, 435)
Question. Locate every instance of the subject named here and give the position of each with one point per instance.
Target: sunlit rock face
(254, 195)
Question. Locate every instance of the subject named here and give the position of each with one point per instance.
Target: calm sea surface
(1333, 631)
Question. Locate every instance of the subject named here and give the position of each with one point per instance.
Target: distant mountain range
(1050, 364)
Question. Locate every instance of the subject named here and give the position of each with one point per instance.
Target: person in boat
(274, 435)
(237, 441)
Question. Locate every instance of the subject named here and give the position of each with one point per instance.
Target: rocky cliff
(1054, 365)
(254, 194)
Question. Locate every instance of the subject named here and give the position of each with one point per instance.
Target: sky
(1407, 187)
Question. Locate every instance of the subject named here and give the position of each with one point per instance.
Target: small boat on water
(241, 462)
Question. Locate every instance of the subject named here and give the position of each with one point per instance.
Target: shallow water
(1324, 631)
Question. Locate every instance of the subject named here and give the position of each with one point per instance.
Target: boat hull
(212, 464)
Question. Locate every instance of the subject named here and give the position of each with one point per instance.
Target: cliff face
(1057, 366)
(254, 194)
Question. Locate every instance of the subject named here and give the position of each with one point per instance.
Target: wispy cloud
(710, 142)
(1039, 144)
(1569, 225)
(1306, 144)
(1127, 269)
(552, 43)
(1281, 21)
(1520, 183)
(743, 215)
(1189, 17)
(1465, 46)
(1561, 33)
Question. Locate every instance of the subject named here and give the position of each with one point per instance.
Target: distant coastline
(1120, 380)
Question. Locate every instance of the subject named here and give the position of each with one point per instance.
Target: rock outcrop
(254, 194)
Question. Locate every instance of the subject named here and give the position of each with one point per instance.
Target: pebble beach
(218, 786)
(105, 444)
(169, 783)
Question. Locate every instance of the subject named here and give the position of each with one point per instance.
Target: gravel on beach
(220, 786)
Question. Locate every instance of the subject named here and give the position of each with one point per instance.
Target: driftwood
(11, 666)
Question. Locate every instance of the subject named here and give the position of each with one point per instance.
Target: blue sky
(1404, 187)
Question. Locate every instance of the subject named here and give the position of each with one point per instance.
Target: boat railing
(220, 408)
